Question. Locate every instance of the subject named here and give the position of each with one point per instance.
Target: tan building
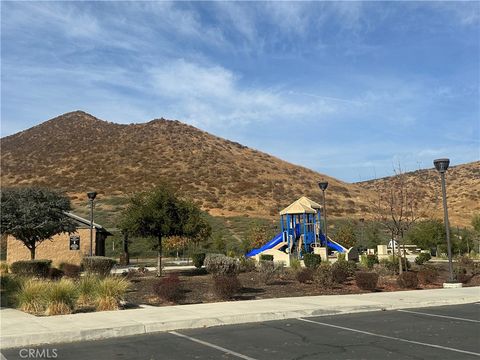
(64, 247)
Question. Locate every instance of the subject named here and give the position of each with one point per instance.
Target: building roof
(87, 222)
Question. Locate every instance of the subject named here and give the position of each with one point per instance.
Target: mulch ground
(197, 287)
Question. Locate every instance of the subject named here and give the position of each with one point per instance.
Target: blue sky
(350, 89)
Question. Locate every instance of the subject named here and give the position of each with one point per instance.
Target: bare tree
(397, 207)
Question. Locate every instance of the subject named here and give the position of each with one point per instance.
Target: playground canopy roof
(301, 206)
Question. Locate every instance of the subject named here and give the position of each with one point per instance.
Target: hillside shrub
(304, 275)
(369, 260)
(221, 265)
(98, 265)
(61, 297)
(109, 292)
(70, 270)
(198, 259)
(408, 280)
(311, 261)
(422, 258)
(3, 268)
(340, 272)
(168, 288)
(265, 257)
(226, 286)
(31, 268)
(323, 276)
(366, 280)
(427, 274)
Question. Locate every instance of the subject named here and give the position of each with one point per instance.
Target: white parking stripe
(391, 337)
(442, 316)
(212, 346)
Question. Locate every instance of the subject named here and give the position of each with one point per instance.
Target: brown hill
(463, 190)
(77, 152)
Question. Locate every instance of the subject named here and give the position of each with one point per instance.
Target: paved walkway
(20, 329)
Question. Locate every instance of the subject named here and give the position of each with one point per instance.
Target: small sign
(74, 242)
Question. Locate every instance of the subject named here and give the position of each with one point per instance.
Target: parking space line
(392, 337)
(435, 315)
(227, 351)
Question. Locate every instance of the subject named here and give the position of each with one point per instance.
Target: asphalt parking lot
(448, 332)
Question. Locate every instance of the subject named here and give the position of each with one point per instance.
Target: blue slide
(277, 239)
(333, 245)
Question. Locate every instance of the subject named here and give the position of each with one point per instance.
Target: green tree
(427, 234)
(345, 235)
(33, 215)
(159, 213)
(257, 236)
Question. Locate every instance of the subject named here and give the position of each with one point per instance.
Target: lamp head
(441, 164)
(323, 185)
(92, 195)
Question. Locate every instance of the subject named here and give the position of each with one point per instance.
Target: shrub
(87, 289)
(246, 265)
(369, 260)
(70, 270)
(168, 288)
(54, 273)
(265, 257)
(226, 286)
(3, 268)
(31, 296)
(422, 258)
(9, 285)
(460, 274)
(98, 265)
(268, 271)
(366, 280)
(221, 265)
(295, 264)
(323, 276)
(427, 274)
(351, 267)
(304, 275)
(31, 268)
(61, 297)
(311, 261)
(390, 266)
(198, 259)
(340, 272)
(408, 280)
(110, 291)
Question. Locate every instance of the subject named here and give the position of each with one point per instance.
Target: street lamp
(323, 186)
(442, 165)
(91, 197)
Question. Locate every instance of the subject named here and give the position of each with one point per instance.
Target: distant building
(64, 247)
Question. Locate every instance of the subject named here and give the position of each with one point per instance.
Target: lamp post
(323, 186)
(442, 165)
(91, 197)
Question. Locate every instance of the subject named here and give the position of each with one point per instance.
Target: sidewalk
(20, 329)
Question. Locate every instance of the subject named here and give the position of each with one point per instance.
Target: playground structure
(301, 225)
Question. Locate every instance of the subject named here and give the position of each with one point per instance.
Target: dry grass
(109, 292)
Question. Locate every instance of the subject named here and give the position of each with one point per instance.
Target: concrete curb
(95, 326)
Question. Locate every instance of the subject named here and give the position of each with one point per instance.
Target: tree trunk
(159, 256)
(32, 252)
(400, 267)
